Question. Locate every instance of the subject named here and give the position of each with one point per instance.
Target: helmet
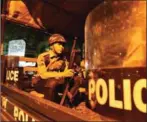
(56, 38)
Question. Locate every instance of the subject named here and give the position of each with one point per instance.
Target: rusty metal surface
(47, 108)
(92, 116)
(45, 14)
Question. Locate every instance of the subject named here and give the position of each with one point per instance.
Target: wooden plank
(27, 59)
(30, 69)
(21, 58)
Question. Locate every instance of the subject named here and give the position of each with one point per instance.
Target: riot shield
(115, 51)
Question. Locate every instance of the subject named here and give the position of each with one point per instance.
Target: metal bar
(2, 27)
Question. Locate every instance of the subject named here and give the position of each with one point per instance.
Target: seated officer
(53, 68)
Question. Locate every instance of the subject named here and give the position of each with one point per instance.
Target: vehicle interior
(33, 22)
(26, 26)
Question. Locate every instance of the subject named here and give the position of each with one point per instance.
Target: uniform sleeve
(42, 69)
(41, 65)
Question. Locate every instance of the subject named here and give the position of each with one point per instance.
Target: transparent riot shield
(115, 52)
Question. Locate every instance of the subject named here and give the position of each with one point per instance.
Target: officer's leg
(50, 89)
(39, 86)
(75, 87)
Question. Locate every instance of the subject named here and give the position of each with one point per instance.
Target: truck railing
(48, 109)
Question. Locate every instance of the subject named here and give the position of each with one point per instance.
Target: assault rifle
(72, 56)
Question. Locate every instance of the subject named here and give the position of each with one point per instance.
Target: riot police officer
(53, 68)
